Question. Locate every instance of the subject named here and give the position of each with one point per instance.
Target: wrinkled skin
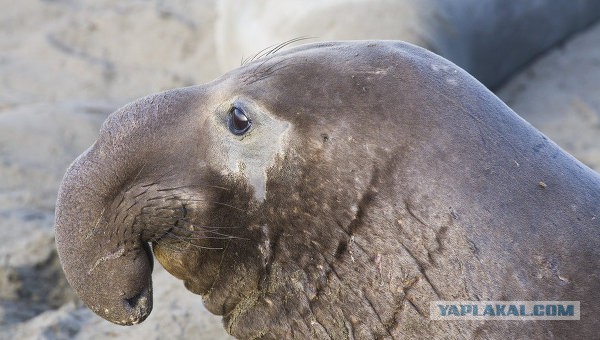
(376, 177)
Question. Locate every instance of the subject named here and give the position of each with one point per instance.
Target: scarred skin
(376, 177)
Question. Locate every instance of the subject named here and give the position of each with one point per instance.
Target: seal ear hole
(238, 121)
(341, 249)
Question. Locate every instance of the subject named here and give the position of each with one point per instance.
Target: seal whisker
(194, 186)
(272, 49)
(209, 237)
(195, 236)
(210, 228)
(163, 208)
(182, 239)
(229, 206)
(173, 248)
(286, 43)
(256, 56)
(228, 236)
(175, 197)
(209, 186)
(207, 227)
(137, 175)
(262, 74)
(121, 201)
(166, 197)
(258, 72)
(203, 231)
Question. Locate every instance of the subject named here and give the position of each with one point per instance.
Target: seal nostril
(133, 301)
(135, 309)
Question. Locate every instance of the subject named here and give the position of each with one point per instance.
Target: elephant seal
(333, 191)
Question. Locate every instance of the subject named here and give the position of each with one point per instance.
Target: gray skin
(376, 177)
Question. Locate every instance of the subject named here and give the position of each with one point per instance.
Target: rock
(65, 66)
(489, 39)
(558, 94)
(72, 50)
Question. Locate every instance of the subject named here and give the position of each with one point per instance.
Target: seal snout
(138, 307)
(119, 289)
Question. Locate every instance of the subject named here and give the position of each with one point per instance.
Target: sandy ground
(560, 95)
(65, 65)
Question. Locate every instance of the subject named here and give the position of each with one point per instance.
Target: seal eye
(239, 123)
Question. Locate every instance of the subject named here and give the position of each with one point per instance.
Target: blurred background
(66, 64)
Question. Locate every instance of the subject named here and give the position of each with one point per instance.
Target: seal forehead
(334, 68)
(340, 89)
(341, 55)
